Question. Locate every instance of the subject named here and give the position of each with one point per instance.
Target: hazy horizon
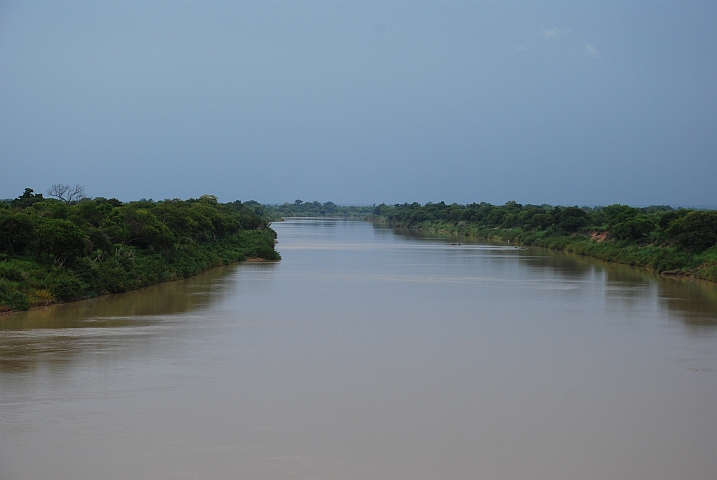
(584, 103)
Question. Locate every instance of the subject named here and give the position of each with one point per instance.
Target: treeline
(54, 251)
(680, 241)
(310, 209)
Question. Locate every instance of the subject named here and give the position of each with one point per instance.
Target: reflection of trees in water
(695, 301)
(411, 234)
(629, 285)
(569, 267)
(53, 336)
(55, 350)
(692, 302)
(312, 222)
(384, 230)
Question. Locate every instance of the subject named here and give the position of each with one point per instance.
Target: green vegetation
(682, 242)
(309, 209)
(57, 250)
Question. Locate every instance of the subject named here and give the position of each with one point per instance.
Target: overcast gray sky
(362, 102)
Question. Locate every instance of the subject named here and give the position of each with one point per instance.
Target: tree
(619, 213)
(16, 232)
(62, 240)
(635, 229)
(667, 218)
(541, 221)
(210, 199)
(27, 199)
(572, 218)
(67, 193)
(697, 231)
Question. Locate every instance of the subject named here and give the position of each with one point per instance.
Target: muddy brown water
(370, 353)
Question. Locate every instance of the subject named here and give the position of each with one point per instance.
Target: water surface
(369, 353)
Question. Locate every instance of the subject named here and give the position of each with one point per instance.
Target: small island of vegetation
(71, 247)
(670, 241)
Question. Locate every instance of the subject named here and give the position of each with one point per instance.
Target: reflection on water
(54, 335)
(112, 310)
(693, 302)
(369, 353)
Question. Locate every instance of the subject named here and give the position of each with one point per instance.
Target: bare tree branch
(58, 190)
(67, 193)
(76, 194)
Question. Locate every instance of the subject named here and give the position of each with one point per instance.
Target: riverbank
(678, 243)
(55, 252)
(34, 286)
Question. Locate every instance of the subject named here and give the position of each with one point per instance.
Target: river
(370, 353)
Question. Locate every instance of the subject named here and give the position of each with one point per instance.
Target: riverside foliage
(311, 209)
(56, 251)
(681, 241)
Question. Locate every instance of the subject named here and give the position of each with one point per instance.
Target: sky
(566, 103)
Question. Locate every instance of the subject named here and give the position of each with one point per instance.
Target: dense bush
(52, 250)
(696, 231)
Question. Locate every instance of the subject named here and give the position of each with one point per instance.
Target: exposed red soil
(599, 236)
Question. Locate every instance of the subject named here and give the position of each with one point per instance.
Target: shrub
(697, 231)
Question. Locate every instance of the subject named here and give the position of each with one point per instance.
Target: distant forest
(309, 209)
(72, 247)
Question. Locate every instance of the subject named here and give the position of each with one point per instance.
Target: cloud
(592, 51)
(558, 42)
(555, 32)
